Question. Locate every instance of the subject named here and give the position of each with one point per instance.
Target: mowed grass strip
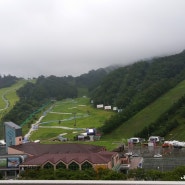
(149, 114)
(79, 111)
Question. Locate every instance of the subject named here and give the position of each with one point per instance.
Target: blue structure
(13, 134)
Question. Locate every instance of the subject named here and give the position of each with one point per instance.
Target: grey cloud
(71, 37)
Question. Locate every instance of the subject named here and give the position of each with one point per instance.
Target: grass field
(71, 117)
(77, 112)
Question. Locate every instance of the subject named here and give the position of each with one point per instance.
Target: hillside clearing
(72, 117)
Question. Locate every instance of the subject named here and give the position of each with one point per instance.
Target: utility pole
(75, 118)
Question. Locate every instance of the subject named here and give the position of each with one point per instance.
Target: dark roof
(11, 124)
(36, 149)
(95, 158)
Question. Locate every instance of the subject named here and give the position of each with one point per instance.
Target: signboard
(3, 162)
(107, 107)
(100, 106)
(13, 162)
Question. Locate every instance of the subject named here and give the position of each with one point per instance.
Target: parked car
(62, 138)
(157, 155)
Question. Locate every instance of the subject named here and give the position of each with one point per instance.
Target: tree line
(7, 80)
(33, 96)
(104, 174)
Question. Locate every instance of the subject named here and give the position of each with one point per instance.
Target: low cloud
(69, 37)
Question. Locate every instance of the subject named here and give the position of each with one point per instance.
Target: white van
(134, 140)
(154, 139)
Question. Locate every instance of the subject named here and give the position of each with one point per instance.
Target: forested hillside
(90, 80)
(133, 87)
(94, 78)
(33, 96)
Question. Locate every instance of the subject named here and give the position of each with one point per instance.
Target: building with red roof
(72, 156)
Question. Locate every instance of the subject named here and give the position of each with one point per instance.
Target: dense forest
(104, 174)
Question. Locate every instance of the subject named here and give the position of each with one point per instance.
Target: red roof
(39, 149)
(94, 158)
(65, 153)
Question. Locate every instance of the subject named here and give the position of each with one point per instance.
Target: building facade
(13, 134)
(66, 156)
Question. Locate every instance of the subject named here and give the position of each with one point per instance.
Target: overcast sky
(71, 37)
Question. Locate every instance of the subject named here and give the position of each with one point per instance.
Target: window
(73, 166)
(60, 165)
(48, 165)
(112, 161)
(86, 165)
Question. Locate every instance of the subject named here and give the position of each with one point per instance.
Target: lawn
(78, 113)
(71, 117)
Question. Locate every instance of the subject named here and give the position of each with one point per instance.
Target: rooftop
(95, 158)
(40, 149)
(11, 124)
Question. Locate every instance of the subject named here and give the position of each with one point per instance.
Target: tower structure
(13, 134)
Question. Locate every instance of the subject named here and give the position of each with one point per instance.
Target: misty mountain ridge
(130, 88)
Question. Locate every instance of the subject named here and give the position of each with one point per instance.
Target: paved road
(33, 127)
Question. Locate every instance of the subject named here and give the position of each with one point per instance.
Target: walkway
(33, 127)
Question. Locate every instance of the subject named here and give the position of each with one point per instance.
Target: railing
(87, 182)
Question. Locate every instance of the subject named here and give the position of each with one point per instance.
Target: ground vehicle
(154, 139)
(61, 138)
(134, 140)
(2, 143)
